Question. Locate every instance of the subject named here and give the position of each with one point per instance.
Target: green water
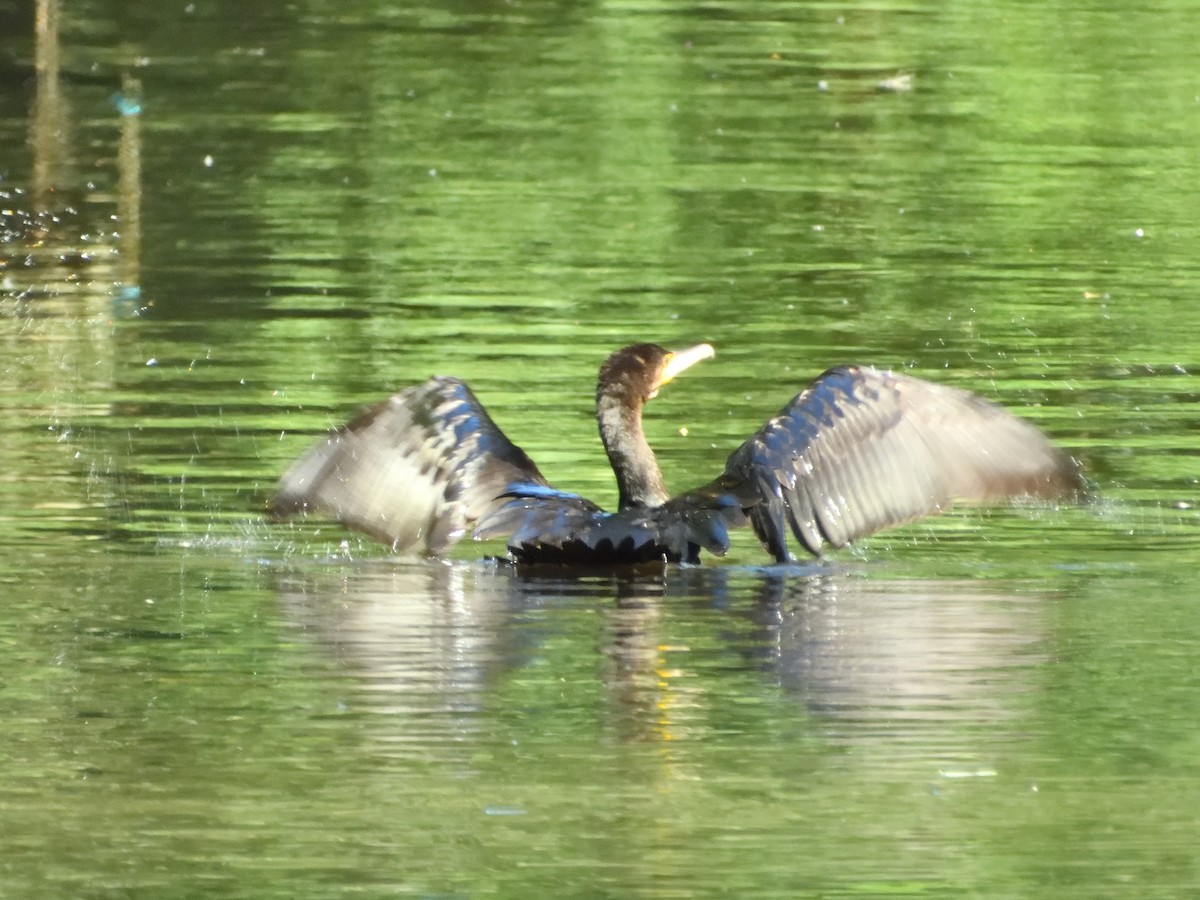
(318, 204)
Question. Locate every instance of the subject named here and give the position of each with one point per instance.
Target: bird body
(857, 451)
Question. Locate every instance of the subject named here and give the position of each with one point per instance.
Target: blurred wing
(861, 450)
(422, 466)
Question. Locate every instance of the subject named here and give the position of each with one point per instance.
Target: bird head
(639, 370)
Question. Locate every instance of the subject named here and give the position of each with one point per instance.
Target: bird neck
(638, 477)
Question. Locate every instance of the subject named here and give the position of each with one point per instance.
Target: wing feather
(860, 450)
(420, 467)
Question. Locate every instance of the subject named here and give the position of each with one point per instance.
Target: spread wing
(861, 450)
(428, 465)
(422, 466)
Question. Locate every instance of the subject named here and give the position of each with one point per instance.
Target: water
(228, 225)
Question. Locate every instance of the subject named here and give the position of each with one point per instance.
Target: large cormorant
(856, 451)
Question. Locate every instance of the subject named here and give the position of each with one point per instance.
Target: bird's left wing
(421, 467)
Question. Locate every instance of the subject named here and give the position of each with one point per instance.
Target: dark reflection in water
(865, 657)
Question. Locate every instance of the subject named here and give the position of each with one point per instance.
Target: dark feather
(548, 526)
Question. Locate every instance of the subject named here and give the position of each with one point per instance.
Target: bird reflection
(862, 657)
(861, 649)
(635, 674)
(419, 637)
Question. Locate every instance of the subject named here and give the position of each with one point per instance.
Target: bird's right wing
(422, 466)
(861, 450)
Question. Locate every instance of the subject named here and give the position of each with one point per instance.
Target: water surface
(226, 226)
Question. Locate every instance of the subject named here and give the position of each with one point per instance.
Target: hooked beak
(684, 359)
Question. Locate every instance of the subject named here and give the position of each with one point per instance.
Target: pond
(226, 226)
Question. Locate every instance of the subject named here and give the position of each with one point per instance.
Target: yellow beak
(684, 359)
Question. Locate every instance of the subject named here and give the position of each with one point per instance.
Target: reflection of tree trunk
(129, 188)
(51, 147)
(49, 131)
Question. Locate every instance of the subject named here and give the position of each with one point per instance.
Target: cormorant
(857, 451)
